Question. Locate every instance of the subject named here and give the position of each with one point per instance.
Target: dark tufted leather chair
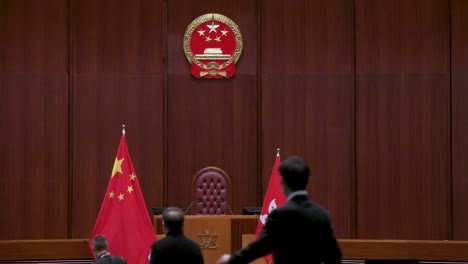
(211, 186)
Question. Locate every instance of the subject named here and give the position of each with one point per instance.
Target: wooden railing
(353, 249)
(50, 249)
(405, 249)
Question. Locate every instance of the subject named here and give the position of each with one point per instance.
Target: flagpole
(274, 198)
(123, 129)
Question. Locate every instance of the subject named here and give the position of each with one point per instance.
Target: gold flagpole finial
(277, 152)
(123, 129)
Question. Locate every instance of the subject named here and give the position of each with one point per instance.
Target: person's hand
(223, 259)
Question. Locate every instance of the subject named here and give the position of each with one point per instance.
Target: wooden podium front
(216, 234)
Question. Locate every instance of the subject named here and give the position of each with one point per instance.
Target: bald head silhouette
(173, 218)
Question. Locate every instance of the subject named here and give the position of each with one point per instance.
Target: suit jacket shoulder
(176, 249)
(300, 229)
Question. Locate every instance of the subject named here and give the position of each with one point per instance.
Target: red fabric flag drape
(274, 197)
(124, 219)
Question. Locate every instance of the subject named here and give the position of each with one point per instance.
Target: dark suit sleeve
(260, 247)
(332, 249)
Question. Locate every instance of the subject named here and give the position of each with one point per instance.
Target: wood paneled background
(373, 93)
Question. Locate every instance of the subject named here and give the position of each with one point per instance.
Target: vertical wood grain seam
(450, 110)
(259, 106)
(165, 102)
(70, 121)
(354, 178)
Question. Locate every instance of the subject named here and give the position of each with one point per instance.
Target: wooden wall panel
(33, 120)
(117, 79)
(459, 40)
(308, 97)
(119, 37)
(211, 122)
(403, 119)
(34, 37)
(361, 89)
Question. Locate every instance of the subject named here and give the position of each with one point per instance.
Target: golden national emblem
(213, 45)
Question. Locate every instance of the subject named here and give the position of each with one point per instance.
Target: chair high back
(211, 187)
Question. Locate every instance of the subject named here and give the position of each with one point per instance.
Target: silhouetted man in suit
(103, 256)
(300, 231)
(175, 247)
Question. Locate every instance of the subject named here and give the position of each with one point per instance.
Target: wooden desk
(42, 251)
(425, 250)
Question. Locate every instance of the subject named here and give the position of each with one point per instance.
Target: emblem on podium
(213, 45)
(208, 239)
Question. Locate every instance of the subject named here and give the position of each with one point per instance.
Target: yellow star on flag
(132, 176)
(121, 197)
(130, 189)
(117, 167)
(111, 194)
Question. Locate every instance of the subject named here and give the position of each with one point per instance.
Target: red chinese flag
(274, 197)
(123, 218)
